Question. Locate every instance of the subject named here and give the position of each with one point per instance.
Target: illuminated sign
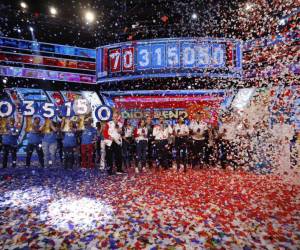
(46, 47)
(176, 57)
(46, 74)
(46, 61)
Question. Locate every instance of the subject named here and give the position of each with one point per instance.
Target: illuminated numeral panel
(143, 57)
(128, 59)
(50, 110)
(158, 52)
(115, 60)
(169, 58)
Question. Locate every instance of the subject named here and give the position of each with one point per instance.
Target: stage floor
(201, 209)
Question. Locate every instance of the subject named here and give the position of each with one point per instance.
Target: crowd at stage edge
(193, 143)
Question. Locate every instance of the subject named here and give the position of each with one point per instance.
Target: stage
(200, 209)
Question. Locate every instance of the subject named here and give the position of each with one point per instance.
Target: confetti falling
(207, 209)
(154, 210)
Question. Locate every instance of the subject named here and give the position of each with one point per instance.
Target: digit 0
(103, 113)
(128, 59)
(6, 109)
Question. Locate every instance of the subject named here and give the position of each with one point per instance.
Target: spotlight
(82, 214)
(194, 16)
(89, 16)
(4, 80)
(23, 5)
(53, 11)
(19, 30)
(31, 29)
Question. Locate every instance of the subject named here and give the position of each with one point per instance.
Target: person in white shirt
(198, 130)
(161, 133)
(181, 132)
(141, 138)
(127, 143)
(113, 143)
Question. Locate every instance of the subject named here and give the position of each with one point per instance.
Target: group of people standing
(118, 143)
(65, 138)
(192, 143)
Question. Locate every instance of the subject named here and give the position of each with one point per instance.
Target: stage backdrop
(170, 104)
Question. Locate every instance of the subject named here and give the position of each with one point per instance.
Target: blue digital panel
(203, 55)
(238, 56)
(217, 55)
(143, 59)
(173, 55)
(158, 56)
(189, 55)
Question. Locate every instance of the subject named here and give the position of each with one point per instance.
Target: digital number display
(49, 110)
(169, 58)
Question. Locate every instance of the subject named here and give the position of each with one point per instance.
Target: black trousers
(98, 150)
(13, 151)
(181, 151)
(127, 145)
(69, 156)
(163, 153)
(199, 154)
(39, 151)
(114, 152)
(150, 152)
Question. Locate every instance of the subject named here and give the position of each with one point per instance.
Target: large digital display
(176, 57)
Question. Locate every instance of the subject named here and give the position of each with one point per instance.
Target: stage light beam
(82, 214)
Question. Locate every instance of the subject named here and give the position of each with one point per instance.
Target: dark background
(114, 20)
